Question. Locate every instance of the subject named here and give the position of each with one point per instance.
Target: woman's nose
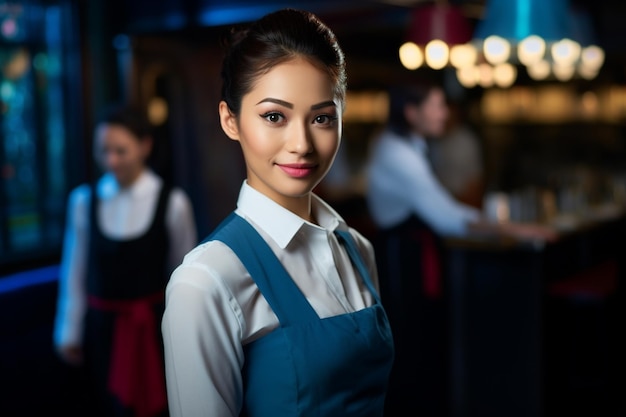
(299, 139)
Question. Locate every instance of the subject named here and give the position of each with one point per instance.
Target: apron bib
(337, 366)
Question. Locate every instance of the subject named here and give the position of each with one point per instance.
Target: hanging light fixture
(546, 37)
(435, 31)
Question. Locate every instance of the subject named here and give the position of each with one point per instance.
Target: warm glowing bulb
(563, 72)
(411, 55)
(437, 54)
(586, 72)
(539, 70)
(504, 75)
(463, 55)
(485, 75)
(467, 76)
(531, 50)
(592, 56)
(157, 111)
(496, 49)
(565, 52)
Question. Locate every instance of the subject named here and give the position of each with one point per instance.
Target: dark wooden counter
(515, 323)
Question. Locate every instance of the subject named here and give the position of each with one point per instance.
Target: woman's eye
(273, 117)
(325, 119)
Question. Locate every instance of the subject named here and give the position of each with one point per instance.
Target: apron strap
(348, 242)
(263, 266)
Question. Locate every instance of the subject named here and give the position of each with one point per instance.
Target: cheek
(255, 140)
(327, 144)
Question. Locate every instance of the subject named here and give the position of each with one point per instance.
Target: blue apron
(337, 366)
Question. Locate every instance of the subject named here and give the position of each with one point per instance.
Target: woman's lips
(297, 170)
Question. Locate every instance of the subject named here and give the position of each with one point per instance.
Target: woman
(124, 235)
(277, 313)
(412, 212)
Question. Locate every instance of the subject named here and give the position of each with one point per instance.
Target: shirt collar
(281, 224)
(108, 187)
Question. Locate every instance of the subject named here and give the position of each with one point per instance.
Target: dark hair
(275, 38)
(130, 117)
(399, 97)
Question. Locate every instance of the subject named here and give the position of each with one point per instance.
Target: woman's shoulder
(80, 195)
(211, 266)
(178, 198)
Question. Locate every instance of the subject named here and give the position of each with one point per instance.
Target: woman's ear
(147, 144)
(228, 121)
(410, 113)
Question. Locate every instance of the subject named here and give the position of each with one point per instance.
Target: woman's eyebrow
(323, 104)
(277, 101)
(290, 105)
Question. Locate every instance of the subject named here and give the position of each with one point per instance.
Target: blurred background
(551, 123)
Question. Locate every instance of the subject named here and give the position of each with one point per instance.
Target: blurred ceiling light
(435, 28)
(531, 49)
(586, 72)
(565, 52)
(437, 54)
(485, 75)
(411, 55)
(592, 56)
(563, 72)
(467, 76)
(539, 70)
(539, 34)
(497, 50)
(504, 75)
(462, 56)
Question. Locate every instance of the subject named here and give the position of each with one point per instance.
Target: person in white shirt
(457, 159)
(277, 312)
(412, 211)
(124, 236)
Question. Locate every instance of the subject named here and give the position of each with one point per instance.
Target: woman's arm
(71, 301)
(202, 328)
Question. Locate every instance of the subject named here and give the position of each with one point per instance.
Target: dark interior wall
(184, 70)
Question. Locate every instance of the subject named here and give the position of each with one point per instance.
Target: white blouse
(400, 182)
(214, 308)
(124, 213)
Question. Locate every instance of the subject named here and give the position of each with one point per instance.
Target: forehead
(296, 81)
(436, 94)
(114, 133)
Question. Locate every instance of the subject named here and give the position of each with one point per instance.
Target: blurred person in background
(412, 212)
(124, 235)
(457, 158)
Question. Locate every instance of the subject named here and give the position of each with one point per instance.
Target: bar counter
(534, 326)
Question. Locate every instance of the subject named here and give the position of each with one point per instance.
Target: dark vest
(133, 268)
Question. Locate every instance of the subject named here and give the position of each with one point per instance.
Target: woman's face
(430, 117)
(289, 129)
(118, 151)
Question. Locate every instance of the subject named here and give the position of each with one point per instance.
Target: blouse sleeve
(202, 330)
(181, 226)
(71, 300)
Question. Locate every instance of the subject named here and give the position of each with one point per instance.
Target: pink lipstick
(297, 170)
